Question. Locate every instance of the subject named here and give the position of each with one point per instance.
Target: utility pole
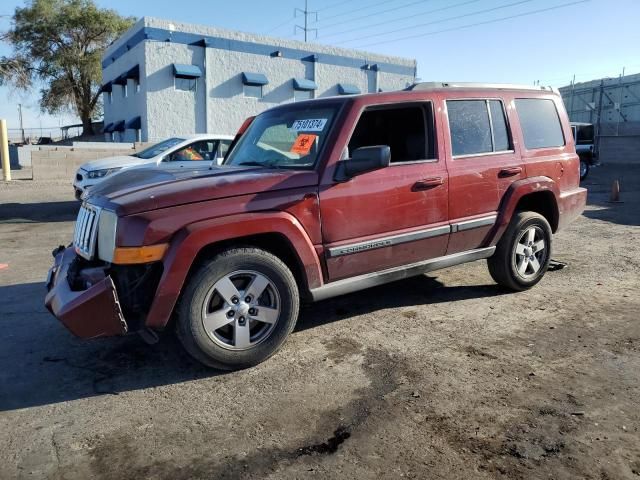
(597, 145)
(21, 126)
(619, 103)
(573, 86)
(306, 14)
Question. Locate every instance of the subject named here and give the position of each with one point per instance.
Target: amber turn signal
(145, 254)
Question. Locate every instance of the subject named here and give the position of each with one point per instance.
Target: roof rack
(503, 86)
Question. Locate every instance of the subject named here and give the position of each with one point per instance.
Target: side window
(407, 130)
(252, 91)
(197, 151)
(540, 123)
(499, 125)
(477, 126)
(186, 84)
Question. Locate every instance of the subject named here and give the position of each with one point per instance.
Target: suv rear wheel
(523, 253)
(238, 309)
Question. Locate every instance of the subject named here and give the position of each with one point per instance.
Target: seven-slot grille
(84, 238)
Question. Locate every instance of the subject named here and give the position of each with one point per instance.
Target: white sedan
(184, 151)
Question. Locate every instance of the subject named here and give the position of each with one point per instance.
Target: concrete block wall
(61, 163)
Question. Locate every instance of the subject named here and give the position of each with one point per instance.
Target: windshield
(158, 148)
(290, 138)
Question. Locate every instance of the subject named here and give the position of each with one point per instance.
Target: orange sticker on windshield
(303, 143)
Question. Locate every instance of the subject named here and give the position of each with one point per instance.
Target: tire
(515, 250)
(252, 291)
(584, 169)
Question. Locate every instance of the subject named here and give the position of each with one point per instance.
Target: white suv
(198, 151)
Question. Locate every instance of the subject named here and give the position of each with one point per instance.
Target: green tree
(59, 44)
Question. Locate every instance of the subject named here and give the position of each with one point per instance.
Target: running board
(368, 280)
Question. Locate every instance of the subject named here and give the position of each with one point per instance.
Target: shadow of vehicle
(38, 212)
(44, 364)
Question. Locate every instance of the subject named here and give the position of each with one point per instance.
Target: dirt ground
(440, 376)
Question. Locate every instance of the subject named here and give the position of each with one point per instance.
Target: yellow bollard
(4, 151)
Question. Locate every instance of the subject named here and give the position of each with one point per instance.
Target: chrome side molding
(387, 241)
(361, 282)
(382, 242)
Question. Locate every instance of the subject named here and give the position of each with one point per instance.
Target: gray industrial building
(613, 106)
(163, 78)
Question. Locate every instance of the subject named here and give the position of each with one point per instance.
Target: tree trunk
(87, 126)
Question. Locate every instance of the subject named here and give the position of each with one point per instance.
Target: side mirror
(363, 160)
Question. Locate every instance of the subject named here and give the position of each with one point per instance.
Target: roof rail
(504, 86)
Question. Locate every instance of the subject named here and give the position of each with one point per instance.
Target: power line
(357, 10)
(306, 14)
(334, 5)
(495, 20)
(455, 17)
(350, 20)
(420, 14)
(280, 25)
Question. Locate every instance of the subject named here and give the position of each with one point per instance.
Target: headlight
(102, 173)
(107, 226)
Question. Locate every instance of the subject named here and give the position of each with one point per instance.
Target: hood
(143, 189)
(113, 162)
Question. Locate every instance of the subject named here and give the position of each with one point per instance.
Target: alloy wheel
(241, 310)
(530, 252)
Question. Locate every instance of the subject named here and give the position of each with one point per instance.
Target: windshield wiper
(253, 163)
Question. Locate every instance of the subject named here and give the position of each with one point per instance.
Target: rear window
(540, 123)
(477, 126)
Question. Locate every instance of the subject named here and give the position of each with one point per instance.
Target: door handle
(510, 172)
(427, 183)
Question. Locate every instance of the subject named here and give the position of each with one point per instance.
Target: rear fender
(192, 239)
(512, 197)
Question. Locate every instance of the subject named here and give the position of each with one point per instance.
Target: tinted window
(186, 84)
(254, 91)
(158, 148)
(585, 135)
(539, 122)
(500, 134)
(403, 129)
(469, 126)
(299, 95)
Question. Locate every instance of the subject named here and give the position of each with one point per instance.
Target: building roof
(154, 29)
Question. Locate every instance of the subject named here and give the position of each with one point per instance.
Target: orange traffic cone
(615, 192)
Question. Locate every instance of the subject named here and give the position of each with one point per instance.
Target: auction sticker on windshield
(303, 143)
(309, 125)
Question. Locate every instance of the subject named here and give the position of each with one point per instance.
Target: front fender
(186, 245)
(516, 191)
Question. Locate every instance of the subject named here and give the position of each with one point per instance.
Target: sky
(504, 41)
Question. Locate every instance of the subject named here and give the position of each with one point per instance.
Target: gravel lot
(441, 376)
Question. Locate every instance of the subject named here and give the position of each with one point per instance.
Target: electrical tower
(306, 14)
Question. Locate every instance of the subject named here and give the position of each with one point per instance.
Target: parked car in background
(176, 152)
(317, 199)
(584, 137)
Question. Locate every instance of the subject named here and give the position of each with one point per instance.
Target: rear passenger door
(482, 163)
(393, 216)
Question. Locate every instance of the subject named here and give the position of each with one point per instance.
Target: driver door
(394, 216)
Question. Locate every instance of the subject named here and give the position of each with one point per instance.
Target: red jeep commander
(318, 199)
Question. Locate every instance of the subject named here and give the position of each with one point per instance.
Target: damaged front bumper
(94, 311)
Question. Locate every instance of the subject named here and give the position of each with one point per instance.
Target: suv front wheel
(238, 309)
(523, 253)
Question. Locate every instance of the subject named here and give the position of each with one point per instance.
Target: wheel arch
(544, 203)
(279, 233)
(536, 194)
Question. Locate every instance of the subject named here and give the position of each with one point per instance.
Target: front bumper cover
(90, 313)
